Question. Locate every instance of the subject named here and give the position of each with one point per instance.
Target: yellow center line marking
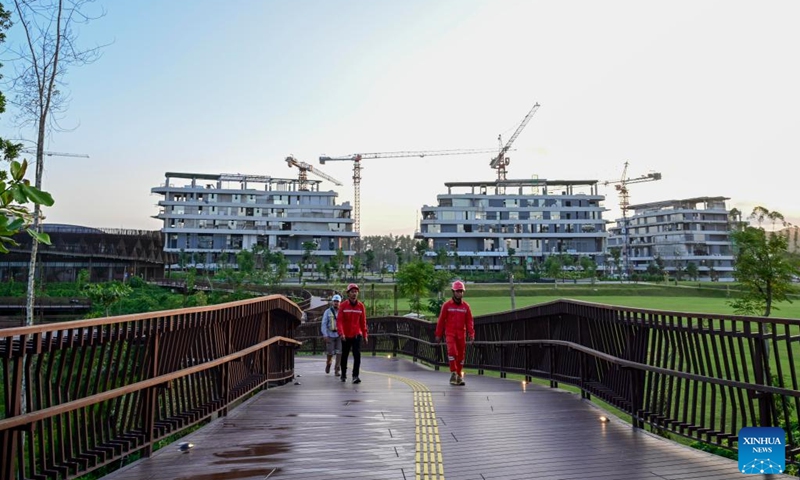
(428, 447)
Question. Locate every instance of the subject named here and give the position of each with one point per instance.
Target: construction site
(477, 224)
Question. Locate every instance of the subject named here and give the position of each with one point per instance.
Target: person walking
(330, 333)
(353, 330)
(456, 325)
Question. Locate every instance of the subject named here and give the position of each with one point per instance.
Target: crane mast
(500, 162)
(357, 157)
(621, 186)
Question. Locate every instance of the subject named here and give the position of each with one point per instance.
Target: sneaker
(344, 379)
(327, 368)
(337, 373)
(454, 378)
(460, 380)
(356, 380)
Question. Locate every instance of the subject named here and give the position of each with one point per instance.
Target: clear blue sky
(704, 92)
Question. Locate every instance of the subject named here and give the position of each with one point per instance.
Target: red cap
(458, 285)
(352, 286)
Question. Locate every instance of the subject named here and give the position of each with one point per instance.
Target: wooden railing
(81, 395)
(698, 376)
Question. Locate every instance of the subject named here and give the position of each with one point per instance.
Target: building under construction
(212, 217)
(678, 233)
(477, 223)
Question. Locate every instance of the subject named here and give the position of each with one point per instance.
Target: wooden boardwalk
(405, 422)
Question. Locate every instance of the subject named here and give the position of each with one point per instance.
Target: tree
(554, 268)
(357, 268)
(369, 260)
(440, 258)
(188, 285)
(107, 294)
(15, 191)
(588, 266)
(399, 254)
(762, 266)
(438, 283)
(692, 270)
(337, 263)
(246, 263)
(327, 270)
(50, 48)
(413, 281)
(420, 248)
(735, 217)
(680, 268)
(616, 255)
(277, 267)
(659, 261)
(308, 253)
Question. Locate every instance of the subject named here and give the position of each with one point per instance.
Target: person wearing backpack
(330, 333)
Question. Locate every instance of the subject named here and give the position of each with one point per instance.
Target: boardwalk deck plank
(489, 429)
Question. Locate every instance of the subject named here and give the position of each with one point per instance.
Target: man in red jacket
(353, 330)
(456, 324)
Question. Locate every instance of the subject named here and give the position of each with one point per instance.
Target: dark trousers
(353, 344)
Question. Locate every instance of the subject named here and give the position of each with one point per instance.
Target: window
(234, 242)
(205, 241)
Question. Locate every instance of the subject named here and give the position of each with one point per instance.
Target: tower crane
(304, 169)
(357, 157)
(621, 186)
(55, 154)
(500, 162)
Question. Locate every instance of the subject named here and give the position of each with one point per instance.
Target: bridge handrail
(91, 392)
(695, 375)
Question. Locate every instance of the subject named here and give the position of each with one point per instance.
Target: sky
(707, 93)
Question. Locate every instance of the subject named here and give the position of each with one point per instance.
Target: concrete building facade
(678, 232)
(478, 222)
(212, 217)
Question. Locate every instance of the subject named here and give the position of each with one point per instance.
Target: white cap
(336, 298)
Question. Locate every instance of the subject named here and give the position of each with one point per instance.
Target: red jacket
(352, 320)
(455, 319)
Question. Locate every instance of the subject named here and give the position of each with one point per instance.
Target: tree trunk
(31, 293)
(768, 303)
